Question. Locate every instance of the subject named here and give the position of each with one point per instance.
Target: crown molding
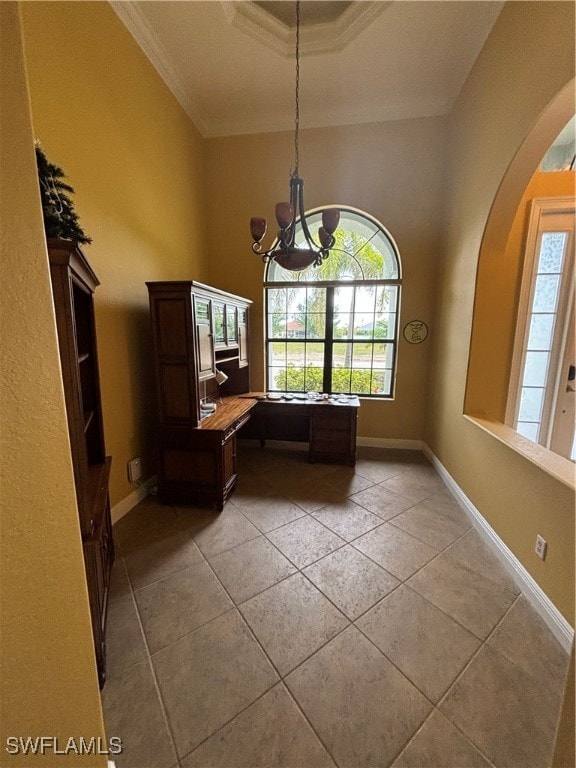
(315, 38)
(136, 23)
(273, 124)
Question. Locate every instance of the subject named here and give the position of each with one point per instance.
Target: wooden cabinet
(175, 346)
(195, 332)
(333, 432)
(73, 286)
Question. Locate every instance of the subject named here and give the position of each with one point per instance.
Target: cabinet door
(204, 339)
(243, 336)
(231, 325)
(228, 460)
(218, 320)
(97, 594)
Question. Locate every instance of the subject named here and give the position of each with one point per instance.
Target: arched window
(334, 328)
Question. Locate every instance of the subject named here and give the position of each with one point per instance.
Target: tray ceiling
(231, 64)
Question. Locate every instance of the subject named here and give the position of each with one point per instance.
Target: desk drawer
(332, 420)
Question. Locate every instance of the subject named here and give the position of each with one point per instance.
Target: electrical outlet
(540, 547)
(134, 470)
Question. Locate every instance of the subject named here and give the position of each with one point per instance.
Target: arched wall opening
(498, 280)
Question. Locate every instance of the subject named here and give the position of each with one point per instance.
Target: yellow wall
(135, 161)
(393, 171)
(48, 684)
(137, 164)
(496, 304)
(499, 105)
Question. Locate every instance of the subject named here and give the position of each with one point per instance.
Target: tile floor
(329, 616)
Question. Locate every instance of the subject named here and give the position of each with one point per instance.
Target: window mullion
(329, 338)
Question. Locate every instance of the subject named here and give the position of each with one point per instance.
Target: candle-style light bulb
(284, 214)
(257, 229)
(330, 219)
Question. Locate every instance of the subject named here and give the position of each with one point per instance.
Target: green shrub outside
(310, 379)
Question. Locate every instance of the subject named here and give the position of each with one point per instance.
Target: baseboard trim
(123, 507)
(561, 629)
(388, 442)
(369, 442)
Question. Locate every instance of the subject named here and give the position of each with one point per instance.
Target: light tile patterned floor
(329, 616)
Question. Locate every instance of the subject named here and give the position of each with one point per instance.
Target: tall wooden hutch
(198, 331)
(73, 286)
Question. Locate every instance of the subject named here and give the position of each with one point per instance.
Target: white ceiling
(231, 64)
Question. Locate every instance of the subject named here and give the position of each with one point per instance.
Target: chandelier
(284, 250)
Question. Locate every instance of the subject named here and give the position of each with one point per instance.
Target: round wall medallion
(415, 331)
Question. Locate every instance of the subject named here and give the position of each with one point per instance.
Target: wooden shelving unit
(73, 286)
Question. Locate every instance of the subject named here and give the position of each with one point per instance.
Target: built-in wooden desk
(230, 414)
(327, 425)
(200, 464)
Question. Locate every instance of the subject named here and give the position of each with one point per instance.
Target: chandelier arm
(294, 202)
(303, 223)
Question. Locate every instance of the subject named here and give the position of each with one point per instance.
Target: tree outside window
(334, 328)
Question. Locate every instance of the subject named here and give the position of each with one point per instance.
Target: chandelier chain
(291, 216)
(297, 121)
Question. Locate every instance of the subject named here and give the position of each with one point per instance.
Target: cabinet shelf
(88, 417)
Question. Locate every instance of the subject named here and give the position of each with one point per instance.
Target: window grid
(298, 356)
(541, 325)
(335, 329)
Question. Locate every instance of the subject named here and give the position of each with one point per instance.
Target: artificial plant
(60, 218)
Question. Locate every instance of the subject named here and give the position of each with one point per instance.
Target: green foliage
(300, 379)
(381, 329)
(363, 382)
(60, 219)
(310, 379)
(352, 257)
